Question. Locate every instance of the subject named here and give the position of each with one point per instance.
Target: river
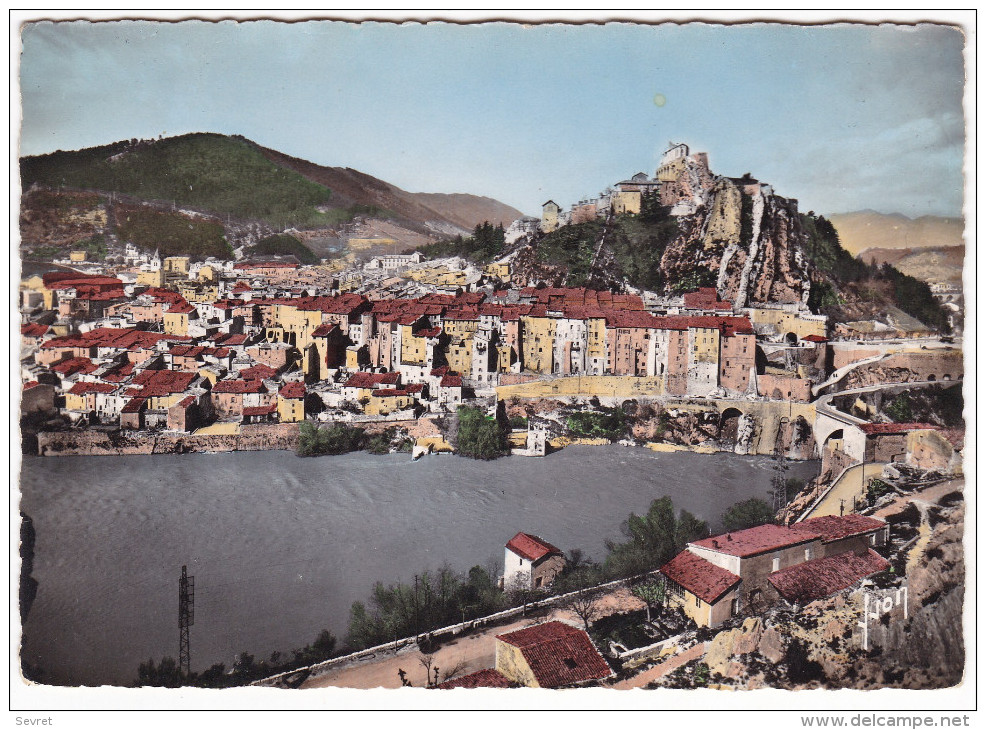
(281, 546)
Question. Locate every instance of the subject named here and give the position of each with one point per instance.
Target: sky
(842, 117)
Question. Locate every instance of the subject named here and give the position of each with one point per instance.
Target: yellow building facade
(538, 343)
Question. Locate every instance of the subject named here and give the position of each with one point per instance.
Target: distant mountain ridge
(232, 176)
(865, 229)
(933, 265)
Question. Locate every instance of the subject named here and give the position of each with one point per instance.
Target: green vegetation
(879, 285)
(607, 423)
(573, 247)
(750, 513)
(387, 440)
(479, 436)
(518, 422)
(484, 245)
(876, 489)
(654, 539)
(245, 669)
(941, 405)
(283, 244)
(335, 439)
(430, 602)
(652, 592)
(94, 246)
(205, 171)
(694, 280)
(638, 243)
(172, 233)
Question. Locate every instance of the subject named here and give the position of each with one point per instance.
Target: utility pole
(186, 617)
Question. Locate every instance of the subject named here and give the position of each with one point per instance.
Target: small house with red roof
(291, 402)
(749, 570)
(530, 562)
(550, 655)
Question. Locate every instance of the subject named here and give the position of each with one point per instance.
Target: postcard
(404, 361)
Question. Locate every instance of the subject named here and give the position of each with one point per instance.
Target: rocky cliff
(742, 238)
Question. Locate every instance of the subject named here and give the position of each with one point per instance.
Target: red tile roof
(558, 654)
(163, 382)
(258, 372)
(531, 547)
(876, 429)
(239, 386)
(260, 410)
(482, 678)
(371, 380)
(323, 330)
(33, 329)
(74, 365)
(451, 381)
(756, 540)
(84, 388)
(134, 405)
(836, 528)
(815, 338)
(387, 393)
(822, 577)
(698, 576)
(293, 390)
(705, 298)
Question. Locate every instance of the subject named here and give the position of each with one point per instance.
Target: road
(462, 655)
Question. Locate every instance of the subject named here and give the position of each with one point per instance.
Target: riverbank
(284, 437)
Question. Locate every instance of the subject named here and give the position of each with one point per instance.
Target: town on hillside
(401, 350)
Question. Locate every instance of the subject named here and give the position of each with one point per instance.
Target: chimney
(715, 543)
(729, 537)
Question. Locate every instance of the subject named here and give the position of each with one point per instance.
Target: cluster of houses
(712, 580)
(228, 344)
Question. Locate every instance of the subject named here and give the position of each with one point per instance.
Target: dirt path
(464, 654)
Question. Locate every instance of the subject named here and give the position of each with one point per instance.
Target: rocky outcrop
(747, 240)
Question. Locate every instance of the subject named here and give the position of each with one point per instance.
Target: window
(776, 565)
(521, 561)
(698, 601)
(807, 554)
(873, 539)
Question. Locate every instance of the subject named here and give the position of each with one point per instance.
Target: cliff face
(744, 239)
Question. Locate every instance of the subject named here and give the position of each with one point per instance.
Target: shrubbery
(335, 439)
(283, 245)
(479, 436)
(607, 423)
(173, 234)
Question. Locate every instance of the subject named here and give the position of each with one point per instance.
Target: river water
(281, 546)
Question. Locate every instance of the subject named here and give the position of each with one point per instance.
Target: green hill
(210, 172)
(283, 245)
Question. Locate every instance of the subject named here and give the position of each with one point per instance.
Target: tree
(583, 604)
(480, 437)
(653, 593)
(750, 513)
(165, 674)
(654, 539)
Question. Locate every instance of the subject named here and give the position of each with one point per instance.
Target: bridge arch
(729, 424)
(791, 339)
